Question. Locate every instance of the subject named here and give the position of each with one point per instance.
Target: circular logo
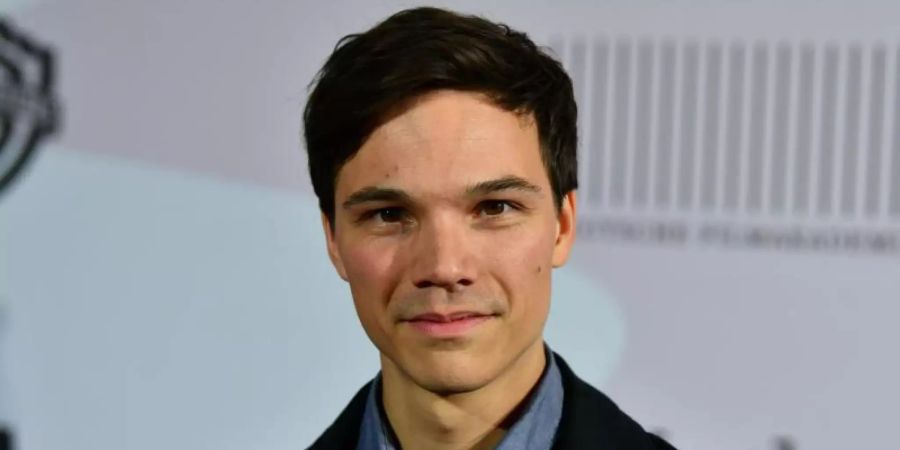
(28, 111)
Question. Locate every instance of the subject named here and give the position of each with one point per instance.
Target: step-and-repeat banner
(163, 278)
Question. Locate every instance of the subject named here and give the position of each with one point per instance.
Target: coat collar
(589, 420)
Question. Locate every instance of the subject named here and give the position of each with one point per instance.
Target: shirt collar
(533, 430)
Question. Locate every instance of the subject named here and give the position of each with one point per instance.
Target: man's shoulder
(344, 432)
(591, 419)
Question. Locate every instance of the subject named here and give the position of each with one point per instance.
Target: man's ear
(565, 229)
(333, 253)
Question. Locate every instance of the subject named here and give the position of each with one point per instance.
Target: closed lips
(443, 318)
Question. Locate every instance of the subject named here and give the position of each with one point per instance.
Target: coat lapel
(590, 420)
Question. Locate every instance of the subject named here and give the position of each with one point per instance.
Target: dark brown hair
(371, 75)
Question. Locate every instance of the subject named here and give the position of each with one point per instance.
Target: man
(442, 150)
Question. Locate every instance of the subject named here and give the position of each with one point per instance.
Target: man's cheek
(366, 263)
(373, 276)
(518, 250)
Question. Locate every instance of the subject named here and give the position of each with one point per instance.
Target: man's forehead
(448, 115)
(445, 144)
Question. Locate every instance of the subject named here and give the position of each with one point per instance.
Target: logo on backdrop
(28, 111)
(776, 145)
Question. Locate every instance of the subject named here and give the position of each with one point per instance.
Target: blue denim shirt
(534, 430)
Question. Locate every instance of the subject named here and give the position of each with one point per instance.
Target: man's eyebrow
(506, 183)
(376, 194)
(392, 195)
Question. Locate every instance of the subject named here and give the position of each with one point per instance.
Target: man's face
(446, 229)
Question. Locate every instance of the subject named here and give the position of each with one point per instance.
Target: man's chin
(444, 384)
(448, 373)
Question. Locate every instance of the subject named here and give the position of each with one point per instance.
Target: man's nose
(442, 255)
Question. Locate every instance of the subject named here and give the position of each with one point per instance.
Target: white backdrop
(163, 280)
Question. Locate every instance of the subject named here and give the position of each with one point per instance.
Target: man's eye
(390, 215)
(494, 207)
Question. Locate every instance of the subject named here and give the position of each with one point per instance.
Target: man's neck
(473, 420)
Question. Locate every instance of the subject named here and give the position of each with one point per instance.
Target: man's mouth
(448, 325)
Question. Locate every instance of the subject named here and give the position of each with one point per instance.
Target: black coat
(589, 420)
